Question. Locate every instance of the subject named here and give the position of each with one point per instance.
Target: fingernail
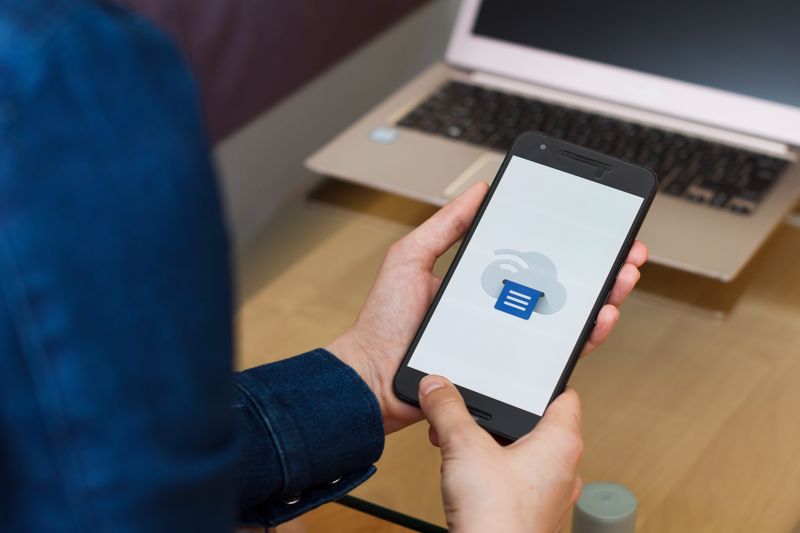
(430, 384)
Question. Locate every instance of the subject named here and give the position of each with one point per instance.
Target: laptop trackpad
(484, 168)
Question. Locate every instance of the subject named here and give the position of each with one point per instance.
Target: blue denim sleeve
(313, 430)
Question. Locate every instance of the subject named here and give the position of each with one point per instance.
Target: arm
(114, 274)
(312, 431)
(114, 264)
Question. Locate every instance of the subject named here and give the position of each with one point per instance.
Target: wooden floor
(694, 403)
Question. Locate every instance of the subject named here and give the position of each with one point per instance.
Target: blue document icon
(517, 300)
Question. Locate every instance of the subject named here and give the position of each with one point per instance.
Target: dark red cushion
(248, 54)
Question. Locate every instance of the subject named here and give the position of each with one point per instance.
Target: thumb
(445, 410)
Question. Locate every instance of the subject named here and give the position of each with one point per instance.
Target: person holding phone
(116, 338)
(529, 485)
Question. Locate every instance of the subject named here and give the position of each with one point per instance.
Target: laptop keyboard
(696, 170)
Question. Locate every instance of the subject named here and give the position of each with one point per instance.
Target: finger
(447, 225)
(561, 420)
(638, 254)
(565, 411)
(576, 490)
(606, 320)
(436, 283)
(446, 412)
(627, 279)
(433, 436)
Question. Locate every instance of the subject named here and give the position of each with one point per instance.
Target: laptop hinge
(649, 118)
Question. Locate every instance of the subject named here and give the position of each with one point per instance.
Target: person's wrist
(349, 350)
(370, 362)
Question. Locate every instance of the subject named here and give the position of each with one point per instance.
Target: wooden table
(694, 402)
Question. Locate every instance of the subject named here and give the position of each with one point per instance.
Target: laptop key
(720, 199)
(676, 188)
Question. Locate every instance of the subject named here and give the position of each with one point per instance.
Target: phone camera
(542, 147)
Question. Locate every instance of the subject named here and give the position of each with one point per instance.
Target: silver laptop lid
(734, 65)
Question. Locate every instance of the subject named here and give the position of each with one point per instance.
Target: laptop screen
(748, 47)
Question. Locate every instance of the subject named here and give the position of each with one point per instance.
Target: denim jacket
(117, 411)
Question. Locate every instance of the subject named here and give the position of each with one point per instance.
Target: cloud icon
(531, 269)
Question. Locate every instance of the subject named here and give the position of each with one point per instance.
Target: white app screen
(526, 284)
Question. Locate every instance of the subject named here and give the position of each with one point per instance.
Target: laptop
(707, 94)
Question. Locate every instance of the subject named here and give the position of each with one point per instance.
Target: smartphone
(523, 293)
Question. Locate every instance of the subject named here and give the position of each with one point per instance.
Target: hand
(528, 486)
(376, 343)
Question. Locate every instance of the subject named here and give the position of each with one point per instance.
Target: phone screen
(514, 308)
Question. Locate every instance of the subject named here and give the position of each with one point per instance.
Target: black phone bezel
(499, 418)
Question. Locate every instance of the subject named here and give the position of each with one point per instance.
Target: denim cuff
(274, 512)
(321, 423)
